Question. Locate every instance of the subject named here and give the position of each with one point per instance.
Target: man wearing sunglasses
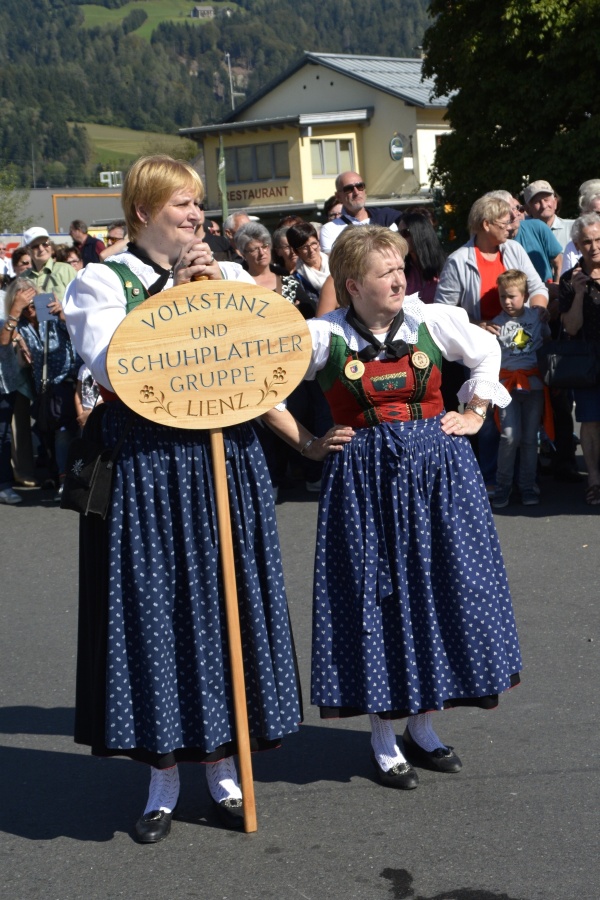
(49, 276)
(351, 191)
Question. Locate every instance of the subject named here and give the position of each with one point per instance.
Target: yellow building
(328, 113)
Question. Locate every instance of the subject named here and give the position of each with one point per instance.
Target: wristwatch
(481, 410)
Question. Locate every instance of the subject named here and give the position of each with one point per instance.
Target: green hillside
(176, 11)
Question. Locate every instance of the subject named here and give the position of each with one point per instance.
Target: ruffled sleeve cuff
(493, 391)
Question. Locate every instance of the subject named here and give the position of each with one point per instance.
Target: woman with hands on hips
(412, 611)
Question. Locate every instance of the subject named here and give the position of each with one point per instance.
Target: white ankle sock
(421, 731)
(164, 789)
(383, 740)
(222, 780)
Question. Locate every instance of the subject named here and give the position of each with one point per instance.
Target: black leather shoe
(153, 826)
(401, 776)
(444, 759)
(230, 812)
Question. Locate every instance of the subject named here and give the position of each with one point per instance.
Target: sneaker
(10, 497)
(501, 497)
(530, 497)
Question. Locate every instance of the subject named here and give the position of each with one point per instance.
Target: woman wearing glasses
(48, 275)
(312, 266)
(254, 242)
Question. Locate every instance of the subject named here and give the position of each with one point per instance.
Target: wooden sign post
(207, 355)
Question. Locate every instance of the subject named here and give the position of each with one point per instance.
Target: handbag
(56, 402)
(87, 488)
(570, 364)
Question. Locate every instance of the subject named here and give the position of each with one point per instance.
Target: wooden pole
(233, 627)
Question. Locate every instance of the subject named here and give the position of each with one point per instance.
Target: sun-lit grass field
(157, 11)
(116, 148)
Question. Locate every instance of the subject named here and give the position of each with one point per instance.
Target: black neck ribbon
(393, 349)
(164, 274)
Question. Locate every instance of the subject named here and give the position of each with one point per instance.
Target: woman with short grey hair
(589, 202)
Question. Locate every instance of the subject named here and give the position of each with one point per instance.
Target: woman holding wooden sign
(153, 676)
(412, 611)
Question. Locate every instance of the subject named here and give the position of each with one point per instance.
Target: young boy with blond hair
(521, 331)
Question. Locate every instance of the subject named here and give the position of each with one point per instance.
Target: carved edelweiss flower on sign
(278, 377)
(147, 395)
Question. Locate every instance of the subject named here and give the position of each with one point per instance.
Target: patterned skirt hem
(183, 754)
(490, 701)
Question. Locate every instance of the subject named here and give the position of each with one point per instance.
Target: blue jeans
(520, 422)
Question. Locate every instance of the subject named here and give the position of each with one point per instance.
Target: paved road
(520, 822)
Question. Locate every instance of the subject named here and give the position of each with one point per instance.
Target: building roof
(401, 78)
(304, 120)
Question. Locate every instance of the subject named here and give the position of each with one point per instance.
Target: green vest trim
(134, 290)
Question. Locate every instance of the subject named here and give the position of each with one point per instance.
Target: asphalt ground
(520, 822)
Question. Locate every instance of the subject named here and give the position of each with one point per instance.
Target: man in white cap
(541, 202)
(48, 275)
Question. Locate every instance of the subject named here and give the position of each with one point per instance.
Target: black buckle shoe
(444, 759)
(153, 826)
(401, 776)
(230, 812)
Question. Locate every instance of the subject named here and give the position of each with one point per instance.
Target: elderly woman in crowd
(579, 300)
(468, 278)
(412, 611)
(285, 256)
(589, 201)
(12, 380)
(254, 243)
(153, 678)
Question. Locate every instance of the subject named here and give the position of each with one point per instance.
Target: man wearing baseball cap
(541, 202)
(49, 276)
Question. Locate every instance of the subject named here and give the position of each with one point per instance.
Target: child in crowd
(86, 395)
(521, 332)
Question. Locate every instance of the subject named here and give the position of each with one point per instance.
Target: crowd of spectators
(524, 234)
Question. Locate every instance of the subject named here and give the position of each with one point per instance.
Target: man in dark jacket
(351, 191)
(89, 247)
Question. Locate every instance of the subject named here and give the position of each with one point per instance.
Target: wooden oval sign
(208, 354)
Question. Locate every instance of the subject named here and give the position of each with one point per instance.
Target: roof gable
(401, 78)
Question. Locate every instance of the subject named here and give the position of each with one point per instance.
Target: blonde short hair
(486, 209)
(150, 182)
(513, 278)
(350, 254)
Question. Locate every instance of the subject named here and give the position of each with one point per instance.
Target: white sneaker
(10, 497)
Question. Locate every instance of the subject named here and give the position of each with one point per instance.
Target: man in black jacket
(89, 247)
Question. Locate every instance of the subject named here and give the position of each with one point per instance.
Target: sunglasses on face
(44, 244)
(357, 186)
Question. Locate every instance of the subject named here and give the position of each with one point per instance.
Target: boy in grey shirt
(520, 332)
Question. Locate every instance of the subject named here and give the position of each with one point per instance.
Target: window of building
(257, 162)
(330, 157)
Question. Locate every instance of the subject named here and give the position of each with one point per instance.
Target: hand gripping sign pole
(205, 356)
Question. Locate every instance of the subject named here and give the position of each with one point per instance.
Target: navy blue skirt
(164, 682)
(412, 610)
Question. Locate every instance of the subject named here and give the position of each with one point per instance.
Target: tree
(12, 204)
(525, 104)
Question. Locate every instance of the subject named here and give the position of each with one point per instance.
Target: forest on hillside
(54, 70)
